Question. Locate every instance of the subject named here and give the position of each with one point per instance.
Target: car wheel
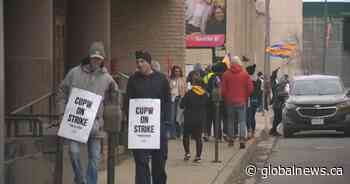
(287, 132)
(347, 132)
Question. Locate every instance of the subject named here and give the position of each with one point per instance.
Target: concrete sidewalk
(206, 172)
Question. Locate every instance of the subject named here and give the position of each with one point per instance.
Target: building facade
(338, 50)
(44, 39)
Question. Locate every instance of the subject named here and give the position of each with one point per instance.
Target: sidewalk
(206, 172)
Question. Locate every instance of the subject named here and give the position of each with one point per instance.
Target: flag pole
(325, 45)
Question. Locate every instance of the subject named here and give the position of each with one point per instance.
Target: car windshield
(317, 87)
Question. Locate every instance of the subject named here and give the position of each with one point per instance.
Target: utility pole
(2, 91)
(325, 47)
(267, 38)
(267, 44)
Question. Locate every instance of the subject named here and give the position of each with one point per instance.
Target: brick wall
(155, 25)
(202, 56)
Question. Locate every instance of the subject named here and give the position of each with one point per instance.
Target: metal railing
(29, 123)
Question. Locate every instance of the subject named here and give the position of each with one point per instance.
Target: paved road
(315, 149)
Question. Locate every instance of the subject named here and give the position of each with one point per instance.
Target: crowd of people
(188, 104)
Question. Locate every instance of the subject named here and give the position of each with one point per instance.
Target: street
(276, 159)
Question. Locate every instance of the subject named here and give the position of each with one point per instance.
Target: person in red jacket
(236, 87)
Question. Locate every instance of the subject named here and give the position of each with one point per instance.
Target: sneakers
(230, 142)
(225, 137)
(187, 156)
(197, 160)
(205, 138)
(241, 145)
(249, 136)
(253, 134)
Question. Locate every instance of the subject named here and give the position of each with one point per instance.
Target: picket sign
(79, 115)
(144, 124)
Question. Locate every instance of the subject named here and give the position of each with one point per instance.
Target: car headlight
(344, 104)
(290, 106)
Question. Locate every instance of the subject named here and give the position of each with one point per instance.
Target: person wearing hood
(194, 104)
(92, 76)
(236, 87)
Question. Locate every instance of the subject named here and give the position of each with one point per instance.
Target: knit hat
(236, 60)
(219, 68)
(143, 55)
(251, 69)
(97, 50)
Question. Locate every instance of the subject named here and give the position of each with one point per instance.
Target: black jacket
(195, 107)
(154, 86)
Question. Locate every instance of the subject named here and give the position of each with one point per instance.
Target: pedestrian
(253, 102)
(267, 92)
(236, 87)
(274, 82)
(282, 92)
(178, 87)
(259, 85)
(92, 76)
(194, 105)
(150, 84)
(212, 88)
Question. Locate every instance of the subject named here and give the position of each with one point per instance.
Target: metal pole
(216, 100)
(267, 37)
(216, 127)
(59, 161)
(2, 106)
(112, 139)
(267, 69)
(325, 48)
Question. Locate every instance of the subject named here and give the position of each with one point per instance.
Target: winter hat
(143, 55)
(251, 69)
(236, 60)
(219, 68)
(97, 50)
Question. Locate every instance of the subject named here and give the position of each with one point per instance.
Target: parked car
(316, 102)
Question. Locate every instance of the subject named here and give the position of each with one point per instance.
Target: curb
(240, 159)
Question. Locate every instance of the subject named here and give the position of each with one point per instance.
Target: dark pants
(267, 101)
(196, 133)
(221, 123)
(159, 157)
(251, 122)
(210, 119)
(277, 118)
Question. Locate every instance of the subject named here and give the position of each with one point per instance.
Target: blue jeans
(173, 126)
(236, 112)
(94, 155)
(251, 122)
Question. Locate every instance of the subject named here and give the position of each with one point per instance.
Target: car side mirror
(348, 93)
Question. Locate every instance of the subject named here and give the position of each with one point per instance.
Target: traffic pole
(325, 48)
